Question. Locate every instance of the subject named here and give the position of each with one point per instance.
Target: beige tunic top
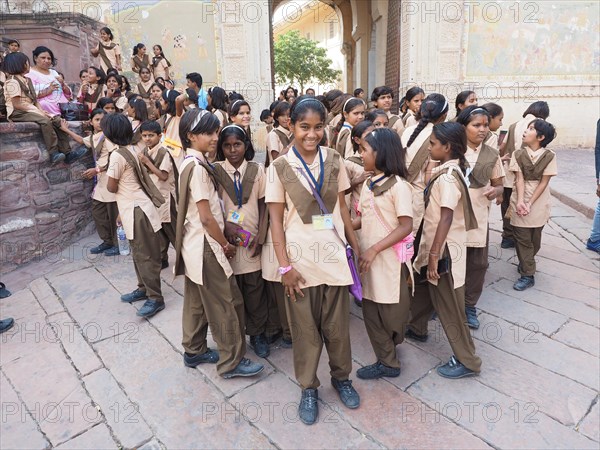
(419, 183)
(348, 149)
(192, 249)
(12, 89)
(355, 171)
(161, 69)
(540, 210)
(221, 116)
(481, 205)
(243, 262)
(492, 141)
(398, 126)
(166, 188)
(318, 255)
(111, 54)
(381, 283)
(274, 143)
(445, 194)
(172, 141)
(410, 119)
(130, 194)
(509, 180)
(101, 193)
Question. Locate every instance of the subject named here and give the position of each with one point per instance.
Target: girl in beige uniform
(353, 112)
(211, 296)
(93, 89)
(311, 256)
(385, 220)
(486, 183)
(280, 137)
(382, 98)
(217, 104)
(413, 99)
(464, 100)
(140, 59)
(242, 190)
(108, 51)
(160, 64)
(531, 203)
(514, 141)
(448, 216)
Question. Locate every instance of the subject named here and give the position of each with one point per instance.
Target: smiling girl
(353, 112)
(108, 51)
(312, 257)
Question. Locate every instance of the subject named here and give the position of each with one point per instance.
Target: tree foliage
(299, 60)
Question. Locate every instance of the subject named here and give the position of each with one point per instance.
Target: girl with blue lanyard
(242, 185)
(353, 112)
(385, 219)
(309, 241)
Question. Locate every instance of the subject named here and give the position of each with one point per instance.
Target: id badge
(236, 217)
(322, 222)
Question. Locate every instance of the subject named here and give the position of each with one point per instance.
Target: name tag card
(323, 222)
(236, 217)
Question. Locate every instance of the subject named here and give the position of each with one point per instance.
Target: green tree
(299, 60)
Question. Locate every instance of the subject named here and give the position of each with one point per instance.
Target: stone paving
(79, 370)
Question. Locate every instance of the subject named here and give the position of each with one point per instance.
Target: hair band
(233, 125)
(233, 104)
(198, 118)
(351, 98)
(445, 104)
(479, 109)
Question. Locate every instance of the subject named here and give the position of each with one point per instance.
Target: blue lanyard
(372, 183)
(237, 186)
(318, 186)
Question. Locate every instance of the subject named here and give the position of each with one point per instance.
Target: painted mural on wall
(537, 39)
(184, 29)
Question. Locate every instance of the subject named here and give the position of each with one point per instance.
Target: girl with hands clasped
(311, 254)
(386, 220)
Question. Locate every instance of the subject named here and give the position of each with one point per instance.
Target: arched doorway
(329, 22)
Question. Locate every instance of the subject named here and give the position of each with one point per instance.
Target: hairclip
(198, 118)
(233, 125)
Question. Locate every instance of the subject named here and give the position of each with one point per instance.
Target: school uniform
(491, 140)
(355, 169)
(319, 255)
(409, 119)
(222, 116)
(343, 143)
(241, 207)
(138, 63)
(55, 138)
(446, 295)
(277, 140)
(168, 210)
(514, 141)
(417, 159)
(140, 219)
(395, 123)
(386, 297)
(107, 53)
(484, 165)
(95, 92)
(104, 203)
(211, 296)
(528, 229)
(160, 68)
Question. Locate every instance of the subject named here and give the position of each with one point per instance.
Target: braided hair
(432, 109)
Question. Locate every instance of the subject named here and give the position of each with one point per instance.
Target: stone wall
(43, 208)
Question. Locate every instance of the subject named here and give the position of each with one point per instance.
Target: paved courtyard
(79, 370)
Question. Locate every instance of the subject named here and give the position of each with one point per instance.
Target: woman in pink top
(49, 85)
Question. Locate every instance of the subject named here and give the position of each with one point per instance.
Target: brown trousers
(217, 304)
(56, 140)
(527, 243)
(256, 306)
(167, 233)
(277, 313)
(321, 316)
(386, 324)
(477, 265)
(145, 251)
(105, 217)
(507, 228)
(449, 303)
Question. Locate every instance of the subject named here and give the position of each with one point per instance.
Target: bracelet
(433, 254)
(284, 270)
(224, 246)
(97, 169)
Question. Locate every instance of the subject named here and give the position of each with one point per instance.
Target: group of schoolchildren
(400, 200)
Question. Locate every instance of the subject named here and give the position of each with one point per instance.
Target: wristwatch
(284, 270)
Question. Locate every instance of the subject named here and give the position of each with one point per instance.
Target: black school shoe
(524, 283)
(74, 155)
(472, 320)
(454, 369)
(100, 248)
(164, 264)
(377, 370)
(6, 324)
(260, 345)
(134, 296)
(410, 334)
(112, 251)
(308, 409)
(347, 393)
(209, 356)
(507, 243)
(150, 308)
(245, 368)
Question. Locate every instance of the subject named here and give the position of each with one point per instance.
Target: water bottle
(123, 242)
